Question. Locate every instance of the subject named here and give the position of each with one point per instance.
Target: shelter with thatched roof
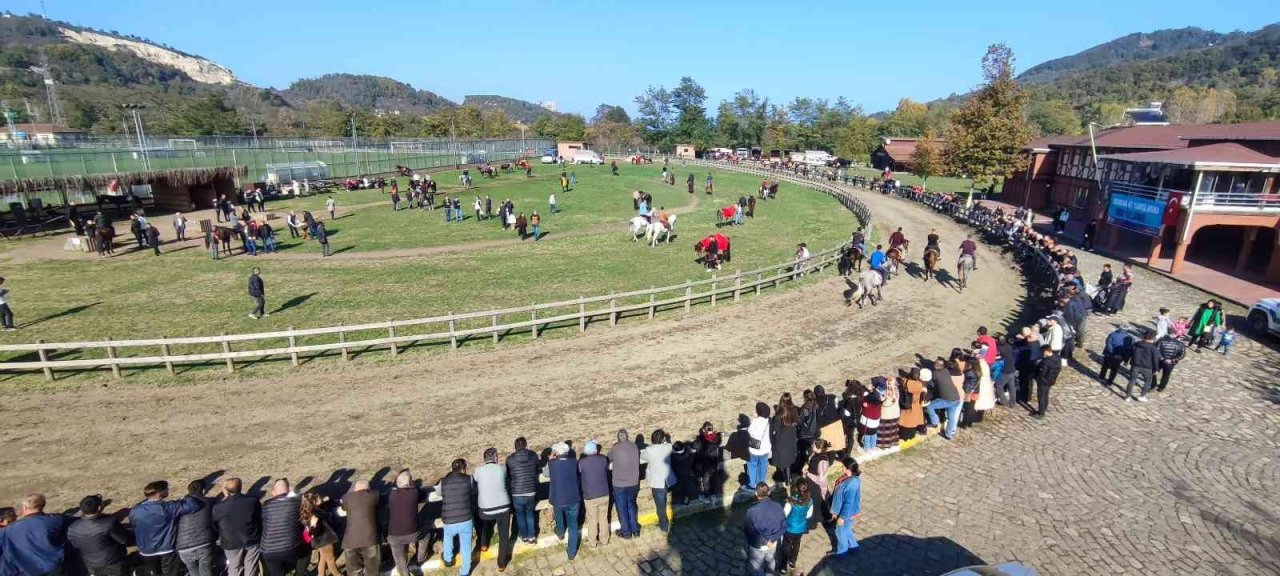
(182, 189)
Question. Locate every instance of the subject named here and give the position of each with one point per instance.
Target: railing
(1208, 201)
(451, 328)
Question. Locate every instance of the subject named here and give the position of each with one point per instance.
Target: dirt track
(672, 374)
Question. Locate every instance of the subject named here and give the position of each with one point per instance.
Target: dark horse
(931, 257)
(488, 171)
(222, 237)
(850, 261)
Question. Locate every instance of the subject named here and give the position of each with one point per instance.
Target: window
(1081, 197)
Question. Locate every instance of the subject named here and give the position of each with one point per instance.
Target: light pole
(137, 126)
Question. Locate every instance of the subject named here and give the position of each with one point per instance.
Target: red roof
(1044, 142)
(1221, 153)
(1169, 137)
(1251, 131)
(901, 149)
(45, 129)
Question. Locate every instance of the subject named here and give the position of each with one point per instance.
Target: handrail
(588, 308)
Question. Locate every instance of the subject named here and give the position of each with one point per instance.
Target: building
(895, 154)
(38, 134)
(566, 149)
(1210, 193)
(686, 151)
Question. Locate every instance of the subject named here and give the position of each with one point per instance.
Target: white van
(587, 157)
(816, 157)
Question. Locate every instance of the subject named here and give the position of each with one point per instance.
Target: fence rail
(584, 310)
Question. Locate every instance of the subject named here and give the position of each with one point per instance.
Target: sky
(580, 54)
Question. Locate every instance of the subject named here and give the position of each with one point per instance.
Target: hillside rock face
(198, 69)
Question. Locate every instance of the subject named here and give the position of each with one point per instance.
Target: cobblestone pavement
(1185, 484)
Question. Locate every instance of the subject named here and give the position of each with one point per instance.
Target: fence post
(582, 313)
(226, 349)
(737, 285)
(651, 299)
(613, 314)
(453, 329)
(164, 351)
(713, 290)
(111, 353)
(44, 359)
(391, 333)
(534, 314)
(688, 296)
(758, 276)
(293, 342)
(495, 325)
(342, 339)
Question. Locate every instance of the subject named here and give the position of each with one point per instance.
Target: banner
(1136, 213)
(1173, 209)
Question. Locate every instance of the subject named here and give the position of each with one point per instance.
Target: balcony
(1222, 202)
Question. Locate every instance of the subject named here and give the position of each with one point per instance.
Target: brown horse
(505, 167)
(222, 237)
(850, 261)
(894, 257)
(104, 236)
(931, 257)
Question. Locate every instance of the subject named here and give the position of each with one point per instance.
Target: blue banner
(1136, 213)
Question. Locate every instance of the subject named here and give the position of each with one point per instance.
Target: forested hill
(1127, 49)
(373, 93)
(518, 110)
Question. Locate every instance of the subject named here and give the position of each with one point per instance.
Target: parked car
(548, 159)
(1005, 569)
(587, 157)
(1264, 317)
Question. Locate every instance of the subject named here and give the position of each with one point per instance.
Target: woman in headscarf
(912, 420)
(851, 412)
(890, 411)
(706, 461)
(1206, 319)
(871, 407)
(986, 398)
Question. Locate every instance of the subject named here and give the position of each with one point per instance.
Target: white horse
(868, 286)
(656, 230)
(639, 228)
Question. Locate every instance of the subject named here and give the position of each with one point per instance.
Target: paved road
(1185, 484)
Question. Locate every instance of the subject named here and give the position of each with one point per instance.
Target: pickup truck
(1264, 317)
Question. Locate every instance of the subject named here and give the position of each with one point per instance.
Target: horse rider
(858, 239)
(877, 261)
(970, 248)
(898, 240)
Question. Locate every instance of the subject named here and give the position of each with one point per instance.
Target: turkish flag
(1173, 209)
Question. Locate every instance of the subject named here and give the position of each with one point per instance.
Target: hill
(517, 110)
(375, 94)
(1127, 49)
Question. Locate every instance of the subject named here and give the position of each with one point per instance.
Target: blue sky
(581, 53)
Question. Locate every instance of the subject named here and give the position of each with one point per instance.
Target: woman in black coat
(706, 461)
(784, 437)
(851, 412)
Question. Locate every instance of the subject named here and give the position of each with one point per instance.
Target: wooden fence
(452, 328)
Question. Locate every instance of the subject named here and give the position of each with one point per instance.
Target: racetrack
(672, 374)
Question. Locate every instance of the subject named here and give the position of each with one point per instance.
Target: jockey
(877, 260)
(932, 242)
(858, 239)
(664, 217)
(897, 239)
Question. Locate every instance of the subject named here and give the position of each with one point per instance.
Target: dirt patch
(672, 374)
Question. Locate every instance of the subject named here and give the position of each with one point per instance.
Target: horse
(867, 286)
(505, 167)
(893, 262)
(850, 261)
(723, 246)
(222, 236)
(639, 227)
(103, 235)
(656, 229)
(727, 216)
(488, 171)
(931, 257)
(963, 266)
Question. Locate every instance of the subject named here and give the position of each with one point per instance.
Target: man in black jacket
(1146, 359)
(281, 545)
(195, 534)
(238, 519)
(257, 291)
(522, 473)
(99, 539)
(1171, 351)
(1046, 376)
(458, 492)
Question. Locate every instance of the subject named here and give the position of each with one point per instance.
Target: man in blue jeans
(565, 495)
(522, 473)
(458, 492)
(945, 397)
(625, 458)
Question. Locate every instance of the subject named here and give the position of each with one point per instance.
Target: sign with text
(1136, 213)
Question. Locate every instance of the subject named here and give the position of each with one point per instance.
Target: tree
(207, 116)
(1105, 113)
(1055, 117)
(908, 120)
(777, 130)
(857, 138)
(988, 132)
(657, 116)
(610, 113)
(692, 125)
(926, 161)
(1200, 106)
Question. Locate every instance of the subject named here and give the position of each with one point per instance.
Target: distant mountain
(1127, 49)
(517, 110)
(376, 94)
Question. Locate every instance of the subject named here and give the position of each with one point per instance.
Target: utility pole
(137, 125)
(51, 90)
(355, 143)
(254, 124)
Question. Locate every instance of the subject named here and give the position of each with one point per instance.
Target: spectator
(1163, 324)
(565, 495)
(625, 458)
(495, 506)
(1171, 352)
(360, 538)
(33, 544)
(763, 526)
(1225, 342)
(179, 226)
(322, 236)
(292, 222)
(911, 421)
(257, 291)
(536, 222)
(99, 539)
(268, 236)
(457, 491)
(522, 472)
(1046, 376)
(402, 522)
(682, 486)
(846, 504)
(282, 549)
(850, 410)
(155, 525)
(783, 439)
(6, 313)
(195, 533)
(552, 201)
(706, 462)
(945, 397)
(1145, 361)
(317, 523)
(658, 473)
(594, 471)
(332, 207)
(238, 519)
(798, 510)
(1116, 350)
(872, 406)
(759, 447)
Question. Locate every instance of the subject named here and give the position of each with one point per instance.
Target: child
(798, 510)
(1181, 328)
(1225, 341)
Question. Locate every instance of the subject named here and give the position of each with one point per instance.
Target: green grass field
(586, 252)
